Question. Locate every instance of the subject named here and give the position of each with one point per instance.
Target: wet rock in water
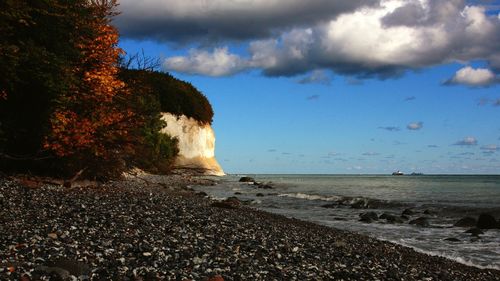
(201, 194)
(391, 218)
(360, 204)
(405, 217)
(408, 212)
(237, 193)
(466, 222)
(265, 186)
(486, 221)
(247, 179)
(259, 195)
(475, 231)
(368, 217)
(330, 205)
(423, 222)
(429, 212)
(452, 239)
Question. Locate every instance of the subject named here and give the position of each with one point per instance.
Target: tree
(90, 124)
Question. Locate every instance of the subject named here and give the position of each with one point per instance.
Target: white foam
(310, 196)
(442, 254)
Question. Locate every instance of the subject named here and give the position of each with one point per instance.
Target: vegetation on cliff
(65, 104)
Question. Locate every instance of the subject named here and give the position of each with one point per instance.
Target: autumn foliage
(89, 118)
(63, 108)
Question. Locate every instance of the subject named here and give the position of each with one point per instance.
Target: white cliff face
(196, 143)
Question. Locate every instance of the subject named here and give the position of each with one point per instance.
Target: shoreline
(161, 230)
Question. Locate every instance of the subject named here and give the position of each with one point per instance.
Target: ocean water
(329, 200)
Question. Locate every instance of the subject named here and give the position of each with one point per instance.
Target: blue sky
(356, 87)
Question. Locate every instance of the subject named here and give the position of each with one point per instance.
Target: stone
(247, 179)
(423, 222)
(52, 235)
(486, 221)
(229, 203)
(391, 218)
(259, 195)
(215, 278)
(452, 239)
(475, 231)
(466, 222)
(368, 217)
(265, 186)
(408, 212)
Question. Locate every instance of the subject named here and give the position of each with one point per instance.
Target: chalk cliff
(196, 144)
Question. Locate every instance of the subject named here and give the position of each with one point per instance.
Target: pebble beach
(159, 229)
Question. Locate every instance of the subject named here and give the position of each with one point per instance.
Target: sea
(338, 200)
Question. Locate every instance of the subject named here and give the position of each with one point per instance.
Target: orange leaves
(91, 117)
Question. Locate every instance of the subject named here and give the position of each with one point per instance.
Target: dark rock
(229, 203)
(339, 219)
(237, 193)
(330, 205)
(408, 212)
(247, 179)
(429, 212)
(466, 222)
(368, 217)
(265, 186)
(360, 204)
(259, 195)
(391, 218)
(486, 221)
(56, 273)
(475, 231)
(452, 239)
(75, 268)
(405, 217)
(201, 194)
(423, 222)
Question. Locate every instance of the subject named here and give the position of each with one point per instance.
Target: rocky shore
(157, 229)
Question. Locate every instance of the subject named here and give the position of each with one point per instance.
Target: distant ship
(398, 173)
(416, 174)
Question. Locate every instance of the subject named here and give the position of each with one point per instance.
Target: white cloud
(218, 63)
(473, 77)
(360, 38)
(467, 141)
(415, 126)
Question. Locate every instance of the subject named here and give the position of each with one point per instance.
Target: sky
(335, 86)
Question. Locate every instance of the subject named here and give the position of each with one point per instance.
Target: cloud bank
(360, 38)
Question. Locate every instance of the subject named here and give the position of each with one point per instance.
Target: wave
(459, 259)
(354, 202)
(311, 197)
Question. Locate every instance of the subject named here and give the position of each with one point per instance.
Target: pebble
(128, 230)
